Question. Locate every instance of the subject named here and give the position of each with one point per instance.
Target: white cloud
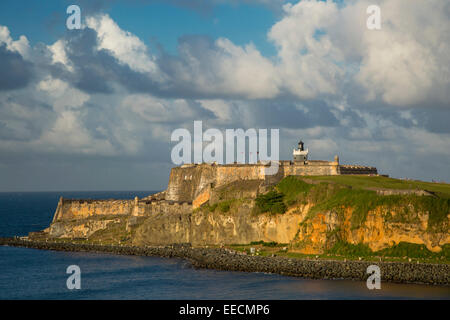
(222, 68)
(153, 109)
(124, 46)
(61, 95)
(404, 63)
(222, 109)
(70, 136)
(323, 50)
(244, 71)
(59, 54)
(308, 59)
(21, 46)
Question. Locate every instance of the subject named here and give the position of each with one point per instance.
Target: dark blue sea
(38, 274)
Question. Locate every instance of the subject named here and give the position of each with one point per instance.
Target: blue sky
(155, 23)
(93, 109)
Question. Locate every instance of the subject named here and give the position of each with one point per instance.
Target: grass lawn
(364, 182)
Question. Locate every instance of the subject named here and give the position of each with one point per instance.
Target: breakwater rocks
(224, 259)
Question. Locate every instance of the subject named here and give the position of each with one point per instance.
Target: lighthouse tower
(300, 154)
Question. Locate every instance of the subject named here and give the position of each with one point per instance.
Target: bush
(291, 187)
(413, 250)
(212, 208)
(224, 206)
(271, 202)
(268, 244)
(351, 250)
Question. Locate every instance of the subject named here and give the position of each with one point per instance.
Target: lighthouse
(300, 154)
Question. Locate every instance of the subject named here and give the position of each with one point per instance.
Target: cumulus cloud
(405, 62)
(322, 45)
(324, 50)
(62, 95)
(21, 46)
(68, 135)
(58, 54)
(101, 94)
(123, 45)
(152, 109)
(308, 58)
(22, 117)
(219, 69)
(16, 72)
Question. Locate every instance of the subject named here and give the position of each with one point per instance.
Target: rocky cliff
(309, 215)
(238, 225)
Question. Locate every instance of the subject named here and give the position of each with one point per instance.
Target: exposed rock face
(378, 232)
(306, 233)
(78, 229)
(185, 212)
(81, 209)
(202, 198)
(203, 228)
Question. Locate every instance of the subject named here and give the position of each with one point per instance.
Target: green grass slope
(334, 193)
(366, 182)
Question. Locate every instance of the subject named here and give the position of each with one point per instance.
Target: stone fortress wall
(78, 209)
(71, 209)
(189, 182)
(192, 185)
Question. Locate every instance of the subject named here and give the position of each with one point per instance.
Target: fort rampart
(69, 209)
(77, 209)
(188, 182)
(190, 186)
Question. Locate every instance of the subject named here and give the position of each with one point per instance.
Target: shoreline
(227, 260)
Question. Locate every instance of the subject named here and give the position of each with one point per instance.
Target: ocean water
(39, 274)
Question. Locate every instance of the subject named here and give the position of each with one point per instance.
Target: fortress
(192, 185)
(238, 206)
(192, 182)
(214, 204)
